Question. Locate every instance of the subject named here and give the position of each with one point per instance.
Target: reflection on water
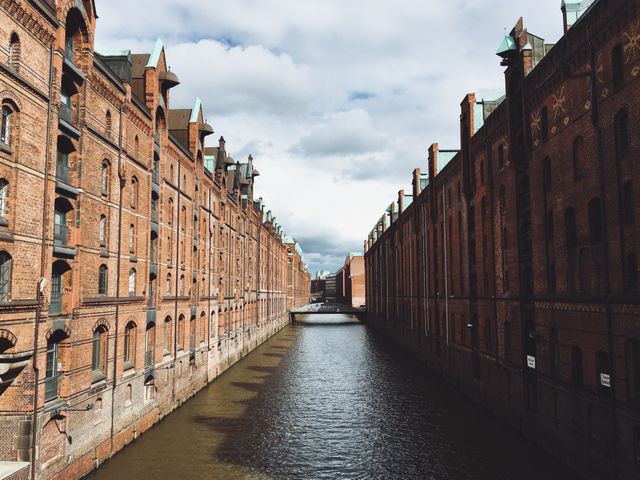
(337, 402)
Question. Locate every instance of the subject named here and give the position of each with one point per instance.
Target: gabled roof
(138, 64)
(179, 118)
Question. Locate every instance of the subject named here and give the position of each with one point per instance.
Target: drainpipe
(43, 261)
(446, 273)
(209, 249)
(595, 119)
(118, 262)
(175, 308)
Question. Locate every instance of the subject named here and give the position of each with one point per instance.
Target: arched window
(4, 187)
(107, 123)
(578, 158)
(554, 351)
(136, 147)
(631, 273)
(603, 372)
(633, 368)
(628, 204)
(5, 130)
(487, 336)
(132, 238)
(132, 282)
(149, 345)
(621, 125)
(129, 345)
(546, 175)
(617, 66)
(182, 285)
(104, 178)
(550, 228)
(507, 340)
(203, 327)
(180, 338)
(570, 227)
(183, 217)
(170, 211)
(524, 192)
(99, 357)
(103, 280)
(103, 230)
(51, 368)
(545, 124)
(168, 288)
(500, 158)
(5, 276)
(14, 51)
(595, 221)
(192, 333)
(577, 375)
(134, 192)
(166, 334)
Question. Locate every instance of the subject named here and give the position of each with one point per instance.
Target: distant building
(350, 281)
(330, 288)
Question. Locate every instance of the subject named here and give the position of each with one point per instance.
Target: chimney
(433, 162)
(393, 213)
(416, 184)
(221, 143)
(527, 58)
(400, 202)
(467, 118)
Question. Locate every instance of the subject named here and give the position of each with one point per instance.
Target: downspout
(595, 119)
(493, 242)
(118, 266)
(177, 292)
(446, 273)
(43, 260)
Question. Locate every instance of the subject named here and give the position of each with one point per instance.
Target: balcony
(50, 388)
(61, 234)
(68, 120)
(70, 66)
(63, 180)
(156, 143)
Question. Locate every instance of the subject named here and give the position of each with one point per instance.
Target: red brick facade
(135, 264)
(512, 268)
(350, 281)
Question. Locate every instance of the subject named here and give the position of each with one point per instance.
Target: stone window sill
(97, 376)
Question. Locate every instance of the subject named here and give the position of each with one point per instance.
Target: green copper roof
(195, 111)
(508, 44)
(155, 56)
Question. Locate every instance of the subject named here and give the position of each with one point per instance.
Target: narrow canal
(330, 402)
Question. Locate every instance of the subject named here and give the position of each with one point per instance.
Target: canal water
(330, 400)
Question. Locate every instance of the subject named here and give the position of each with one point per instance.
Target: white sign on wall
(605, 380)
(531, 362)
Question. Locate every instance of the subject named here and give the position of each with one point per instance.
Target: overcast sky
(337, 100)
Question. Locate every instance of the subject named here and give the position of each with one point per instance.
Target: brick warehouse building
(142, 266)
(350, 284)
(512, 266)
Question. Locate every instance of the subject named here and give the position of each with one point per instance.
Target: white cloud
(337, 101)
